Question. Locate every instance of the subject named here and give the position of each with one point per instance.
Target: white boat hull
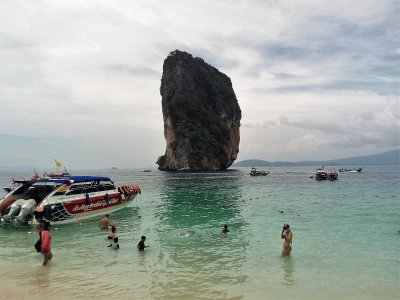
(65, 200)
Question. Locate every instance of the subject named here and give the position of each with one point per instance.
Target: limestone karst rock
(201, 115)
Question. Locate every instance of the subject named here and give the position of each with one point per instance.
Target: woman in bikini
(287, 236)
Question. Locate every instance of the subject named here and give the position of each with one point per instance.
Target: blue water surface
(345, 240)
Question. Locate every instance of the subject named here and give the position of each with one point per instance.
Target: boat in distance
(255, 172)
(321, 174)
(64, 199)
(354, 170)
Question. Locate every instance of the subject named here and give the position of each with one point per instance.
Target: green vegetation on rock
(201, 104)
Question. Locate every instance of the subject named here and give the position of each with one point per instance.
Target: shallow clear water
(345, 240)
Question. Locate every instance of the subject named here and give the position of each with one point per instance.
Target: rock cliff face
(201, 115)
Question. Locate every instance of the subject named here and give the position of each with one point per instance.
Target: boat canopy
(66, 179)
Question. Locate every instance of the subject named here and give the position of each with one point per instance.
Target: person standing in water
(46, 243)
(287, 236)
(38, 244)
(113, 234)
(114, 244)
(141, 244)
(105, 222)
(224, 231)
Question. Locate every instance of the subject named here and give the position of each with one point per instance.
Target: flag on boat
(58, 164)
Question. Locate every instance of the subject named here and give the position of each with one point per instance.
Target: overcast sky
(80, 80)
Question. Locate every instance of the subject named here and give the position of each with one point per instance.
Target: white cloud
(90, 71)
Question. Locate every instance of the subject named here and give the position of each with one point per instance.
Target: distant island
(385, 158)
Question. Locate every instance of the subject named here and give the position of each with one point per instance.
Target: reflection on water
(196, 206)
(288, 270)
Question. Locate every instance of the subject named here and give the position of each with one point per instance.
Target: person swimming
(224, 231)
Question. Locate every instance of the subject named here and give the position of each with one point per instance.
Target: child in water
(141, 244)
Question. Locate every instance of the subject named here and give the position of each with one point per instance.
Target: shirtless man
(287, 236)
(105, 222)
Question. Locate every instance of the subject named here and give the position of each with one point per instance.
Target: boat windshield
(87, 187)
(34, 190)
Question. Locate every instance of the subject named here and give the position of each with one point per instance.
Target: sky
(80, 80)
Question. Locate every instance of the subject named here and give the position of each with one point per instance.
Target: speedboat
(255, 172)
(332, 175)
(358, 170)
(64, 199)
(321, 174)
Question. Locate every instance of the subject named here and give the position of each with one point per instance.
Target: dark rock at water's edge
(201, 116)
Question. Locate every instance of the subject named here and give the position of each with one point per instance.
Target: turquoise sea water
(346, 240)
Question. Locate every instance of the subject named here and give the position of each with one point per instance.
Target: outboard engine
(14, 210)
(26, 209)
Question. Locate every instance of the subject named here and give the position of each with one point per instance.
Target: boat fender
(126, 192)
(107, 198)
(138, 189)
(87, 200)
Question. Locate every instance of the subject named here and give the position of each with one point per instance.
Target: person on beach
(224, 231)
(113, 234)
(114, 244)
(141, 244)
(287, 236)
(46, 243)
(105, 222)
